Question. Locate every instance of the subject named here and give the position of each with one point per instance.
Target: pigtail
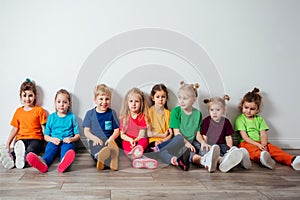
(206, 101)
(226, 97)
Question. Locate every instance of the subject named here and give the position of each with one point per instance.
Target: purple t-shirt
(216, 131)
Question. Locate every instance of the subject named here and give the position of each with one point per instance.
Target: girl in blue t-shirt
(61, 132)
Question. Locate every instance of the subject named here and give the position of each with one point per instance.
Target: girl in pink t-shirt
(133, 128)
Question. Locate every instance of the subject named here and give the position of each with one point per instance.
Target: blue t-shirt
(102, 125)
(62, 127)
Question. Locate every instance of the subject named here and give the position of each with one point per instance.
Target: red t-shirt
(134, 126)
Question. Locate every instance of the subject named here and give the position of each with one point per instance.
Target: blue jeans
(170, 148)
(53, 150)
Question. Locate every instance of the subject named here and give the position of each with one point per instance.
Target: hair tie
(27, 80)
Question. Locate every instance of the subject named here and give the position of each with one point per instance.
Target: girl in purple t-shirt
(217, 129)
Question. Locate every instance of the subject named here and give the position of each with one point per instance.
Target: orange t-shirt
(29, 123)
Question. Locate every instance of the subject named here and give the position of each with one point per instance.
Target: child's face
(216, 111)
(186, 100)
(103, 102)
(249, 109)
(159, 99)
(134, 103)
(62, 103)
(27, 98)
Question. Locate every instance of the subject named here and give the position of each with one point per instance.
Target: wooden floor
(83, 181)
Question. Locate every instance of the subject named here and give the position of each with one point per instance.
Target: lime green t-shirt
(251, 126)
(188, 125)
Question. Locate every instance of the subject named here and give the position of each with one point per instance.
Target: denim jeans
(53, 150)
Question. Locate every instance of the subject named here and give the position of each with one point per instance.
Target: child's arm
(229, 141)
(114, 136)
(264, 139)
(169, 135)
(91, 136)
(11, 137)
(199, 138)
(186, 142)
(127, 138)
(72, 139)
(142, 134)
(250, 141)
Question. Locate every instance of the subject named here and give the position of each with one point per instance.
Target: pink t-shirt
(134, 126)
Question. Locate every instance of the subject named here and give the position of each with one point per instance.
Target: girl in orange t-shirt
(27, 128)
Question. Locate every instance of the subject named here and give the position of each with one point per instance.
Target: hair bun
(255, 90)
(226, 97)
(206, 101)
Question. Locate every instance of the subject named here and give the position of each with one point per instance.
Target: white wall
(227, 46)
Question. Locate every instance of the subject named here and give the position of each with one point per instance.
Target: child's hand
(55, 141)
(158, 142)
(132, 142)
(97, 141)
(67, 140)
(205, 147)
(190, 146)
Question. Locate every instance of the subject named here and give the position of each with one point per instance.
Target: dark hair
(252, 96)
(28, 85)
(156, 88)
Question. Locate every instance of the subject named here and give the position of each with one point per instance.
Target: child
(133, 128)
(101, 127)
(253, 130)
(159, 133)
(217, 129)
(28, 124)
(61, 132)
(186, 120)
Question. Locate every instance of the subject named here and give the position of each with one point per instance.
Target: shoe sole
(5, 158)
(267, 161)
(214, 158)
(137, 152)
(233, 159)
(114, 153)
(144, 163)
(102, 156)
(246, 162)
(34, 161)
(19, 150)
(66, 161)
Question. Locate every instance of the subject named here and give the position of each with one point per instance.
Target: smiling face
(28, 98)
(216, 111)
(62, 104)
(103, 102)
(249, 109)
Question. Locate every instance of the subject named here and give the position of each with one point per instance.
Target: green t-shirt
(188, 125)
(251, 126)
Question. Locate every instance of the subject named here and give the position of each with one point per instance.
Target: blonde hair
(102, 89)
(217, 100)
(125, 112)
(190, 88)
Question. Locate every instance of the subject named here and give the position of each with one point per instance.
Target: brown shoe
(103, 154)
(114, 152)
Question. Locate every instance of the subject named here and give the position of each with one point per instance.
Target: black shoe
(183, 160)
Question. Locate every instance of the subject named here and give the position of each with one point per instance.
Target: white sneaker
(6, 158)
(246, 162)
(210, 159)
(232, 158)
(19, 150)
(296, 163)
(266, 160)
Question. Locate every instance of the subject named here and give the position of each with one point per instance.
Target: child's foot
(103, 154)
(36, 162)
(66, 161)
(144, 162)
(296, 163)
(6, 158)
(210, 159)
(246, 162)
(19, 150)
(183, 160)
(232, 158)
(266, 160)
(136, 152)
(114, 153)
